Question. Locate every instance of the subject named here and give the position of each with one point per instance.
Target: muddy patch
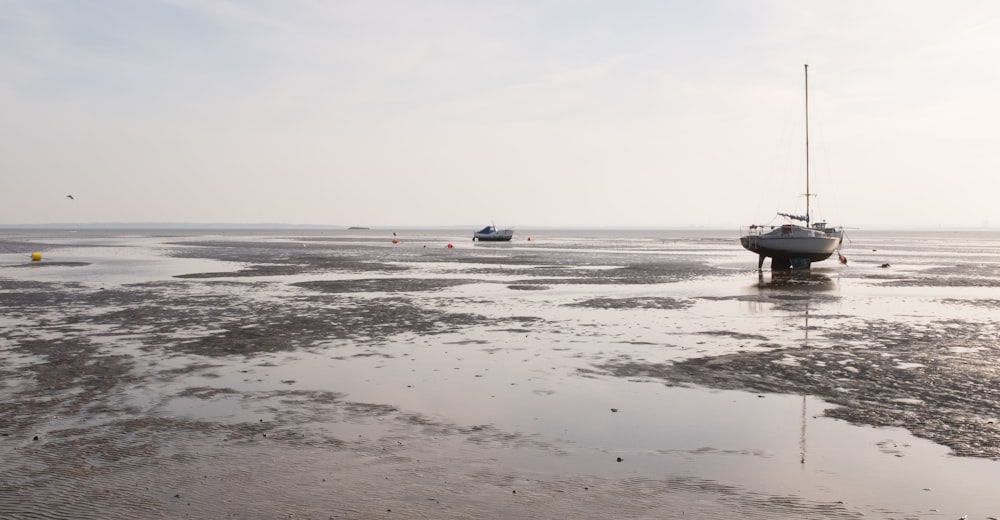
(382, 285)
(986, 303)
(940, 381)
(661, 303)
(735, 335)
(528, 287)
(279, 258)
(46, 264)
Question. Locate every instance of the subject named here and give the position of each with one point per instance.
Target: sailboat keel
(780, 263)
(800, 263)
(785, 263)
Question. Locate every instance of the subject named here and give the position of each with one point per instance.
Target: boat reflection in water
(801, 282)
(794, 290)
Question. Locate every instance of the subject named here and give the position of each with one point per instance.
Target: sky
(537, 113)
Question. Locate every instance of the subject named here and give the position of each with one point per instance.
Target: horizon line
(279, 225)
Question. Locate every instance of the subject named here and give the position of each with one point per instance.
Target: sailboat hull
(813, 249)
(790, 243)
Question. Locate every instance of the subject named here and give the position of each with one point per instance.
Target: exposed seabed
(343, 376)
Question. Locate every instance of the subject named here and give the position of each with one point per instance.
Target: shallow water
(496, 380)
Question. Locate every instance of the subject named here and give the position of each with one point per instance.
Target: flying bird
(70, 197)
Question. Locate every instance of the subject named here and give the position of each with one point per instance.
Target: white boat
(492, 234)
(791, 246)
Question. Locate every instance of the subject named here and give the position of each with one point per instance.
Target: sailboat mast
(808, 215)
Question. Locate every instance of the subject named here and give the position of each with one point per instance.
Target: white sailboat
(791, 246)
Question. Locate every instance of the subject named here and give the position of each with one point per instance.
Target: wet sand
(338, 375)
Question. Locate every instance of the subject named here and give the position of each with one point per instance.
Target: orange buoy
(394, 241)
(36, 257)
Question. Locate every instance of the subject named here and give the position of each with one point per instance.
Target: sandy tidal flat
(583, 374)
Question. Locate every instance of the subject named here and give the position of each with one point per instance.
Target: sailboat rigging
(791, 246)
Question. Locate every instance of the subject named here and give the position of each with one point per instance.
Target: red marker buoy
(450, 246)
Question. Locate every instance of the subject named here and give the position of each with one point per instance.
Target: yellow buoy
(36, 257)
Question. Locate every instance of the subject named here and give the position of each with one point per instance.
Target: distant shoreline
(316, 227)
